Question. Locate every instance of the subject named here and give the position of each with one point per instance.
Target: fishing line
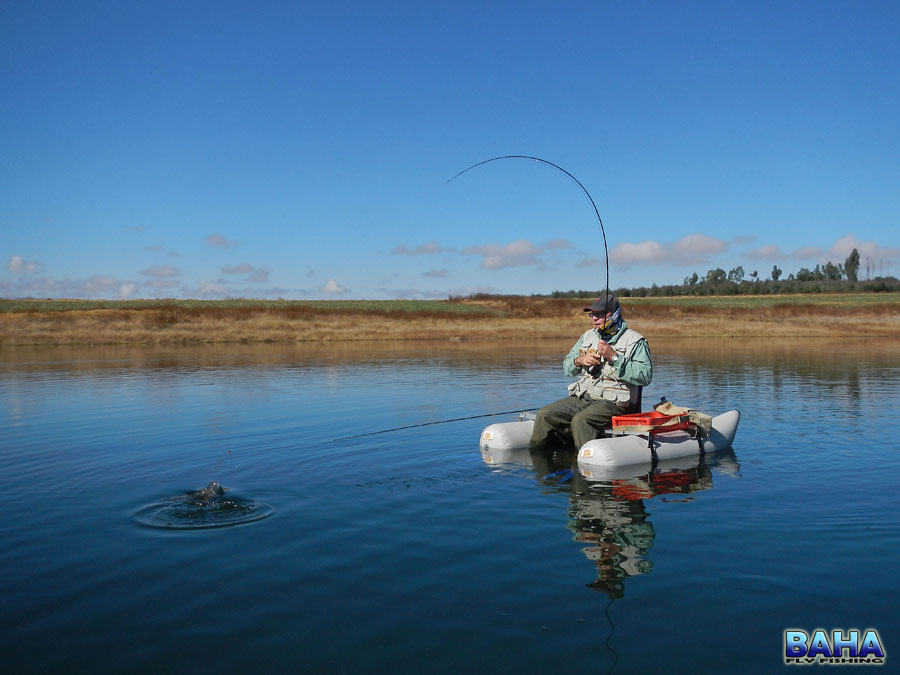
(578, 182)
(612, 629)
(426, 424)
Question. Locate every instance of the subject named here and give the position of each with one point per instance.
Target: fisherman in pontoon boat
(613, 363)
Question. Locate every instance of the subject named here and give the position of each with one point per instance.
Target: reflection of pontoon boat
(607, 511)
(622, 448)
(723, 461)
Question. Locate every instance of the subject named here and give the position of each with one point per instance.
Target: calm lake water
(408, 551)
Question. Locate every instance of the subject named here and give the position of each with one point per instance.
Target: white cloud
(18, 265)
(205, 289)
(100, 283)
(332, 287)
(274, 292)
(768, 252)
(807, 253)
(435, 274)
(161, 271)
(430, 248)
(160, 284)
(559, 242)
(243, 268)
(258, 276)
(254, 275)
(516, 254)
(650, 252)
(837, 253)
(494, 256)
(160, 249)
(219, 241)
(689, 250)
(844, 246)
(97, 286)
(696, 247)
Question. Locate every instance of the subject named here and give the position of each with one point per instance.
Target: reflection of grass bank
(504, 317)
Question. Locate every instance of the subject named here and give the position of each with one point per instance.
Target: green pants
(586, 418)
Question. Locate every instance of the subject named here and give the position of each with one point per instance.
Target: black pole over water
(578, 182)
(426, 424)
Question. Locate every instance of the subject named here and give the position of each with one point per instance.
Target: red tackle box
(656, 421)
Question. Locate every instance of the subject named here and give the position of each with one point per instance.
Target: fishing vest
(606, 385)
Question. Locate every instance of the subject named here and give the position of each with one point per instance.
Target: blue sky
(298, 150)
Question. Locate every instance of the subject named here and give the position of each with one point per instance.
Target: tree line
(827, 278)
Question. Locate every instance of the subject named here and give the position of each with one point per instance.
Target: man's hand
(604, 353)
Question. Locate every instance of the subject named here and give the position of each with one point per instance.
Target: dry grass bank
(520, 318)
(161, 327)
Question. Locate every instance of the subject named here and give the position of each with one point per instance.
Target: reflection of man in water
(621, 535)
(616, 527)
(609, 514)
(613, 515)
(613, 361)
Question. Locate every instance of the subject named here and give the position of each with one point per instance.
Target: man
(613, 362)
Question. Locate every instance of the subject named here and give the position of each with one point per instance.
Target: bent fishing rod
(606, 258)
(578, 182)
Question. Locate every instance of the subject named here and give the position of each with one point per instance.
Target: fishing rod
(606, 256)
(578, 182)
(427, 424)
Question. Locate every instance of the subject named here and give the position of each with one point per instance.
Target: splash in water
(202, 509)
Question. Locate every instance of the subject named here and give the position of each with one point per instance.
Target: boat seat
(636, 406)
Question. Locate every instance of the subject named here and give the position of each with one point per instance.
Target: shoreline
(508, 319)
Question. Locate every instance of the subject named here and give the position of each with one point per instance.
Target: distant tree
(776, 273)
(715, 276)
(833, 272)
(736, 275)
(851, 265)
(754, 275)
